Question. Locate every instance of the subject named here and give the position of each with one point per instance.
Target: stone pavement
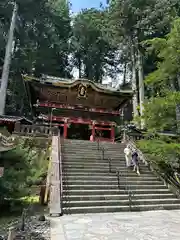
(154, 225)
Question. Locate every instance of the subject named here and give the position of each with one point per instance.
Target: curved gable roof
(62, 82)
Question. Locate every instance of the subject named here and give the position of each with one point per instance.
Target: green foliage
(160, 111)
(92, 51)
(135, 21)
(166, 155)
(168, 52)
(43, 29)
(16, 170)
(164, 82)
(23, 166)
(131, 22)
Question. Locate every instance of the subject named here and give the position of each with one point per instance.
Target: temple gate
(80, 107)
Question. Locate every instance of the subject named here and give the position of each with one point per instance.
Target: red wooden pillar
(112, 134)
(93, 132)
(65, 128)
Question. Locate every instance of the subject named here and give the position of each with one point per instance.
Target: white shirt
(127, 151)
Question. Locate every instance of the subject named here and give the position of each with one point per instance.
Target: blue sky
(77, 5)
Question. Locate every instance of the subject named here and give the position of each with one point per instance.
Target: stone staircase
(89, 187)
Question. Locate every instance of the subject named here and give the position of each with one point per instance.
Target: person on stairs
(135, 161)
(128, 156)
(91, 138)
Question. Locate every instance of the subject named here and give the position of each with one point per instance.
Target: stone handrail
(56, 177)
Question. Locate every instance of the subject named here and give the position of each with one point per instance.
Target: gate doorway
(79, 131)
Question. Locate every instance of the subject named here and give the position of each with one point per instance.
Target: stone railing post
(124, 139)
(17, 127)
(11, 235)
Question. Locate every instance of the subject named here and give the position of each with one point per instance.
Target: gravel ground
(34, 229)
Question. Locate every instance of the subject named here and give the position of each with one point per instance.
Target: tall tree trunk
(98, 72)
(79, 66)
(141, 86)
(178, 81)
(7, 61)
(134, 83)
(124, 75)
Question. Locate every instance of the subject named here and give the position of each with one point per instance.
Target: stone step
(113, 186)
(95, 147)
(92, 156)
(116, 197)
(104, 166)
(78, 141)
(104, 170)
(90, 149)
(91, 159)
(95, 165)
(75, 192)
(87, 151)
(98, 163)
(112, 182)
(93, 152)
(96, 157)
(104, 209)
(120, 202)
(105, 173)
(73, 149)
(109, 178)
(95, 162)
(93, 144)
(89, 143)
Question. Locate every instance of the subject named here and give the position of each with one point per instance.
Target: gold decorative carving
(82, 91)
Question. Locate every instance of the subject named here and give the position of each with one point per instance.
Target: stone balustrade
(37, 130)
(56, 178)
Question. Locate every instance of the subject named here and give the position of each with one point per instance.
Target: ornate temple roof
(63, 82)
(13, 119)
(73, 92)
